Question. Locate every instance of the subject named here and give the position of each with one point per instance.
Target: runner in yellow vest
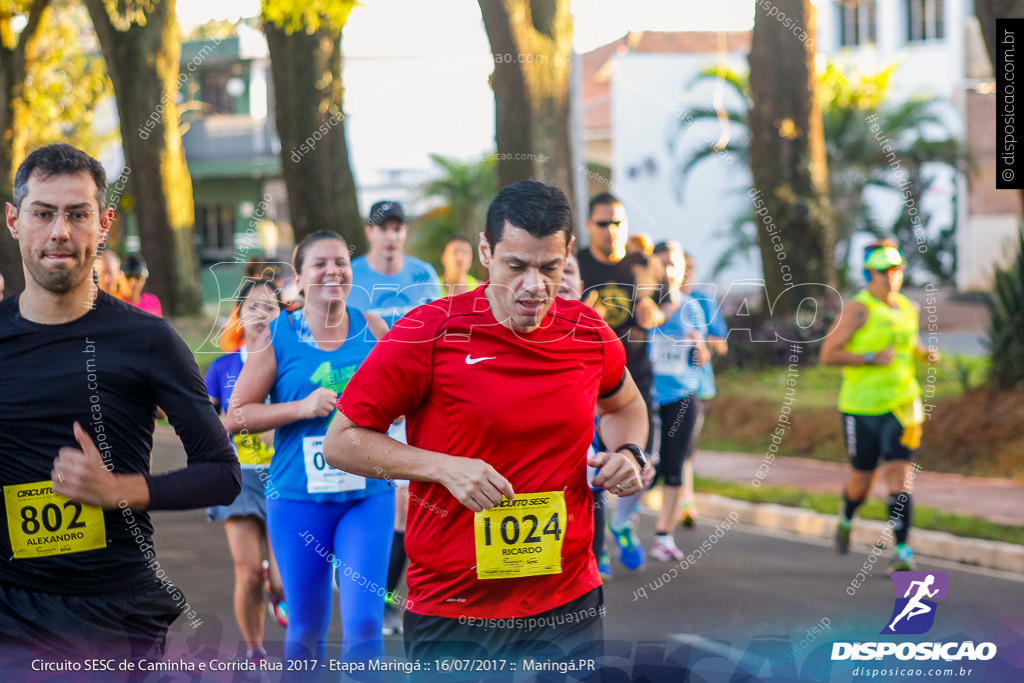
(875, 341)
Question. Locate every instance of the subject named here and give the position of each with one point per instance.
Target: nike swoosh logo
(473, 361)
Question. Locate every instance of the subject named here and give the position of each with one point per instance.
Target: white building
(939, 49)
(636, 97)
(638, 93)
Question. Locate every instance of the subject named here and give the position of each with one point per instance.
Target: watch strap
(636, 451)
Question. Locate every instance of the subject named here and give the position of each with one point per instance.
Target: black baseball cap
(382, 211)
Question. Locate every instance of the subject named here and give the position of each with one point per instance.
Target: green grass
(818, 385)
(924, 517)
(742, 416)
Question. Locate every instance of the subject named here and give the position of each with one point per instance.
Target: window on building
(213, 90)
(215, 227)
(926, 20)
(856, 21)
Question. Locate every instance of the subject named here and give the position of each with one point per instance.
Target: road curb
(936, 544)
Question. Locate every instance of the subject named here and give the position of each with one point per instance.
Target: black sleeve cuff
(612, 392)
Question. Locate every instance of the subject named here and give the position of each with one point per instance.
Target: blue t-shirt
(298, 470)
(715, 328)
(675, 376)
(392, 296)
(221, 377)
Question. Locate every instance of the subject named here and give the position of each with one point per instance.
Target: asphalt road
(743, 592)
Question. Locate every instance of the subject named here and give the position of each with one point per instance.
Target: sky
(416, 73)
(596, 21)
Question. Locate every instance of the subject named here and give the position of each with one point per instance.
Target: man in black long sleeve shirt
(81, 376)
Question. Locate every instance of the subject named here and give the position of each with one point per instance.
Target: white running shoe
(665, 549)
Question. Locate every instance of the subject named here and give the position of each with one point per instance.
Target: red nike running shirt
(523, 402)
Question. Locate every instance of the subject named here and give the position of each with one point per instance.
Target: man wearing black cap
(386, 282)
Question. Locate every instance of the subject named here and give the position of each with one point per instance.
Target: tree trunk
(308, 100)
(143, 62)
(787, 156)
(531, 41)
(987, 12)
(13, 69)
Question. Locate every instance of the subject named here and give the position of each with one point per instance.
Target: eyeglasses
(605, 224)
(46, 217)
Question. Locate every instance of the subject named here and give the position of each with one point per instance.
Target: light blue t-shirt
(715, 328)
(675, 376)
(392, 296)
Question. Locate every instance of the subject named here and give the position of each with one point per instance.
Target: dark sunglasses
(605, 224)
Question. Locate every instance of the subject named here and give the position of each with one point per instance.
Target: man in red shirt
(499, 387)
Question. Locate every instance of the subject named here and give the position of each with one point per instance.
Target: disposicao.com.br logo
(913, 613)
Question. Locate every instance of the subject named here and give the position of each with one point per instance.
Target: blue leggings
(355, 537)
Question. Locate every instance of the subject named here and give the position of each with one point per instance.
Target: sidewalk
(994, 499)
(997, 500)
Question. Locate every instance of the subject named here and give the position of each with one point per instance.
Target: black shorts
(873, 437)
(575, 629)
(127, 625)
(681, 423)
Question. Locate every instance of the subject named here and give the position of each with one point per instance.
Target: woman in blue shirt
(677, 352)
(321, 521)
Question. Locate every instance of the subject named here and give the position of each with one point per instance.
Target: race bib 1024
(521, 537)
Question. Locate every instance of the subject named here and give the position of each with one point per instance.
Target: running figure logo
(913, 614)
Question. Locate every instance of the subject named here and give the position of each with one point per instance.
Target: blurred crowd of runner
(371, 420)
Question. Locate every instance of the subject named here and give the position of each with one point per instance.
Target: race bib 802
(42, 523)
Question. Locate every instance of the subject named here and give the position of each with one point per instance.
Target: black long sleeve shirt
(108, 370)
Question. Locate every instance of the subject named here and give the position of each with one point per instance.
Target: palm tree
(724, 78)
(467, 189)
(854, 157)
(856, 160)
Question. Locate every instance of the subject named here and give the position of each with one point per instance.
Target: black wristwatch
(638, 453)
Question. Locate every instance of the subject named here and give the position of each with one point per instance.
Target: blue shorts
(251, 502)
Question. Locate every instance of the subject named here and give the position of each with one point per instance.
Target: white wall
(986, 242)
(933, 67)
(650, 101)
(649, 98)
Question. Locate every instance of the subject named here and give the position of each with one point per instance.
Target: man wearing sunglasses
(875, 341)
(624, 289)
